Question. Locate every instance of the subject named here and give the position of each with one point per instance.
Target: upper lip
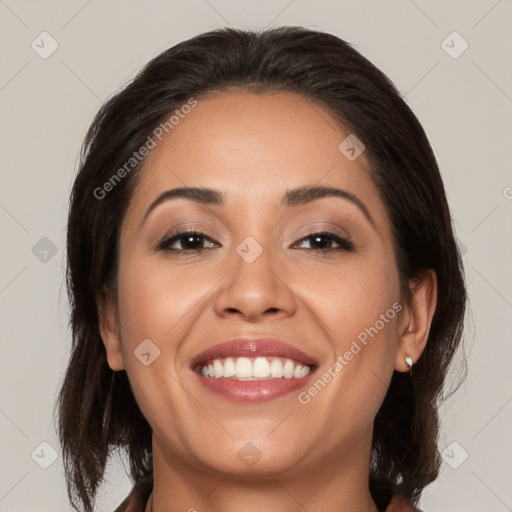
(252, 347)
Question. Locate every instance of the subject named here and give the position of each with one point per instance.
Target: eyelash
(164, 245)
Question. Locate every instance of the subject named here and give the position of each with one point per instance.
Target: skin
(315, 457)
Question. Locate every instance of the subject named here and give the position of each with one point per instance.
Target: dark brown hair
(98, 412)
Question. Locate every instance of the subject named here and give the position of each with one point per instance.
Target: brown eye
(324, 241)
(186, 241)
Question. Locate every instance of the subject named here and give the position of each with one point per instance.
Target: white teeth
(229, 367)
(258, 368)
(218, 369)
(276, 368)
(261, 367)
(243, 367)
(288, 369)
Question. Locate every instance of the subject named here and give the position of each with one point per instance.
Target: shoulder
(138, 497)
(400, 504)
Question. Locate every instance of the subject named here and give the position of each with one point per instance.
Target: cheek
(355, 298)
(158, 305)
(359, 308)
(155, 299)
(353, 383)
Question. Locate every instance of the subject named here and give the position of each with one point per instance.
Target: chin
(252, 459)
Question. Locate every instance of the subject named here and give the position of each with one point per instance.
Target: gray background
(464, 103)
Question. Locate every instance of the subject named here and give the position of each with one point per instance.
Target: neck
(339, 484)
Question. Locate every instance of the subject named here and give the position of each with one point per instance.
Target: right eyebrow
(198, 194)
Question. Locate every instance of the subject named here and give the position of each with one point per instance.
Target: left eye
(323, 242)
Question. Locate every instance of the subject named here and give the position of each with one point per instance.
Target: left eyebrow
(303, 195)
(293, 197)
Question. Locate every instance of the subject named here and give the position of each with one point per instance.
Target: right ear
(109, 330)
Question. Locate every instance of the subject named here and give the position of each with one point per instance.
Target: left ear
(416, 319)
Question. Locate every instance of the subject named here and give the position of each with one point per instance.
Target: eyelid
(176, 235)
(332, 229)
(343, 243)
(319, 227)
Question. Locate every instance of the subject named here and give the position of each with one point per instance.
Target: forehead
(254, 147)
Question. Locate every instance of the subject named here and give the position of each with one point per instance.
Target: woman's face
(258, 270)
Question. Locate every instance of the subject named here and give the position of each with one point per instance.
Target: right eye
(188, 242)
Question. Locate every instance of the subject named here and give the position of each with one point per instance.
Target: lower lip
(252, 391)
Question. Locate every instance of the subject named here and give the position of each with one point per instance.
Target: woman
(265, 286)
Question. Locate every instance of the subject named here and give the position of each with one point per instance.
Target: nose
(255, 290)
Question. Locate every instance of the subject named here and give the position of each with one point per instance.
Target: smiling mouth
(253, 368)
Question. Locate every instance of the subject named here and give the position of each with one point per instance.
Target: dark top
(137, 499)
